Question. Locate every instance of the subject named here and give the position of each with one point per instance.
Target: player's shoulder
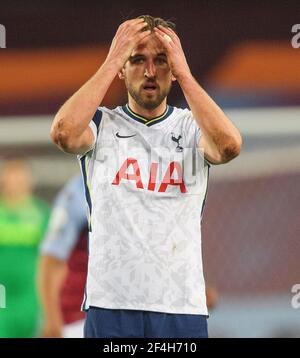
(110, 111)
(101, 114)
(75, 184)
(183, 114)
(71, 192)
(184, 118)
(107, 116)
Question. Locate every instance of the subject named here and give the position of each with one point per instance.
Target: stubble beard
(147, 102)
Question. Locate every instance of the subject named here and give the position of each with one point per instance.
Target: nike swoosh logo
(124, 136)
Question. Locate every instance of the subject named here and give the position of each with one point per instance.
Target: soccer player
(23, 221)
(63, 262)
(145, 167)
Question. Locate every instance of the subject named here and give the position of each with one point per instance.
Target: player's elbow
(60, 134)
(231, 149)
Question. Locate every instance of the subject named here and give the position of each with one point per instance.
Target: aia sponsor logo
(131, 165)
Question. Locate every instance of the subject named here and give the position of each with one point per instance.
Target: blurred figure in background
(211, 297)
(63, 264)
(23, 220)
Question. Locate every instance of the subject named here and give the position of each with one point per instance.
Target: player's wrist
(184, 78)
(112, 65)
(53, 317)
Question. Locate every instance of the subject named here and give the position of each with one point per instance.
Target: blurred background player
(63, 263)
(212, 297)
(23, 220)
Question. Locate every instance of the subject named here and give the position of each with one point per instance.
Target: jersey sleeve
(194, 133)
(95, 123)
(95, 127)
(67, 220)
(192, 130)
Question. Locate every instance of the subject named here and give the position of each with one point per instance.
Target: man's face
(147, 73)
(16, 180)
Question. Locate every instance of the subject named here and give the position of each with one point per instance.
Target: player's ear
(173, 78)
(121, 74)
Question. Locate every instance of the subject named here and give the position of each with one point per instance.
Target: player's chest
(126, 139)
(155, 160)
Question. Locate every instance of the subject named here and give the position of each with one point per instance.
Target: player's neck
(147, 113)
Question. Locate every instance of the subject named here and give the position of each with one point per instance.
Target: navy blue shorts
(109, 323)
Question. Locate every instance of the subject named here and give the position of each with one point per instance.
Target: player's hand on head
(170, 40)
(128, 35)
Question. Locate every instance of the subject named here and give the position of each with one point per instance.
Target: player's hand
(52, 330)
(177, 61)
(126, 38)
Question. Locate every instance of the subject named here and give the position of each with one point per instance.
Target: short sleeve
(95, 123)
(67, 220)
(192, 130)
(194, 133)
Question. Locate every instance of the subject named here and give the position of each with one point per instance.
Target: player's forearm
(51, 305)
(52, 273)
(218, 129)
(74, 116)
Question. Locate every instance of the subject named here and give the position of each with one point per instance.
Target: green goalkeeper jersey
(21, 230)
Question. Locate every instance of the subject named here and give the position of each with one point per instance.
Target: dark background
(207, 28)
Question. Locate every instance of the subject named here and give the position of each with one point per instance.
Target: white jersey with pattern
(145, 184)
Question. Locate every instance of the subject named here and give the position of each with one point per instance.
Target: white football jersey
(145, 184)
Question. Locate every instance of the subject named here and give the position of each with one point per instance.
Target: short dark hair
(155, 21)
